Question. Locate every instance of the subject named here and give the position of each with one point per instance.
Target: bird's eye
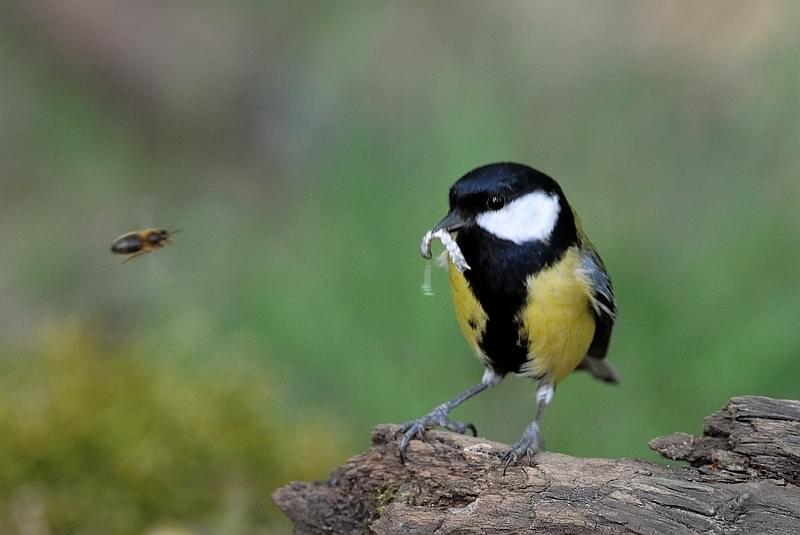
(496, 202)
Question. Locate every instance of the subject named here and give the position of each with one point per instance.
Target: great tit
(536, 299)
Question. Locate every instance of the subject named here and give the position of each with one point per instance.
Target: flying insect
(140, 242)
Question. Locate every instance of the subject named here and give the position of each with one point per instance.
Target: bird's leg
(531, 439)
(440, 415)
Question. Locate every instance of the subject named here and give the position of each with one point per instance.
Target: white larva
(451, 249)
(456, 256)
(427, 286)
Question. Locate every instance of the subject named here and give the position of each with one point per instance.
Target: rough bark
(743, 478)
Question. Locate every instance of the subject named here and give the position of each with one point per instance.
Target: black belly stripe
(498, 275)
(502, 344)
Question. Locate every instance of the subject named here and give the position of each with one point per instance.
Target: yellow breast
(557, 320)
(469, 312)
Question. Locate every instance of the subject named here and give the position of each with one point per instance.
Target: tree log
(743, 478)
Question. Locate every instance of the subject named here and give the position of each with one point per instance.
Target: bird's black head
(510, 201)
(492, 186)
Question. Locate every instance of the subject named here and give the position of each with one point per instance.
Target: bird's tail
(602, 369)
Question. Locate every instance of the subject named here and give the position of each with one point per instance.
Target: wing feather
(602, 301)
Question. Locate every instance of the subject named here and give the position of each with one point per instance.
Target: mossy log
(744, 477)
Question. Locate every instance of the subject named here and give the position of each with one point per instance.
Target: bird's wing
(602, 301)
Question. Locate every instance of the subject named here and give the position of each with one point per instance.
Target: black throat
(497, 276)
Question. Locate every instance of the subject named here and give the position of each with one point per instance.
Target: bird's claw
(416, 429)
(527, 446)
(512, 456)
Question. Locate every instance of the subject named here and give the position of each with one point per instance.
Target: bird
(533, 297)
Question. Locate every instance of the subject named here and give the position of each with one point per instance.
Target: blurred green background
(303, 148)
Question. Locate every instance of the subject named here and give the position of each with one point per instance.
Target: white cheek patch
(531, 217)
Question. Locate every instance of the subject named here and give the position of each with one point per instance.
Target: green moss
(408, 498)
(384, 497)
(120, 443)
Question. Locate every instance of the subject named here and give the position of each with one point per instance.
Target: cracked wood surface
(743, 479)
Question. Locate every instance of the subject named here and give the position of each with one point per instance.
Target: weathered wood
(743, 479)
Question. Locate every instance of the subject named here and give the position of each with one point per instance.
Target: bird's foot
(438, 417)
(526, 447)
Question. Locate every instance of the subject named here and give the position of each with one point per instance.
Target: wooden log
(743, 478)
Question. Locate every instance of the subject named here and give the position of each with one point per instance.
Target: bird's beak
(452, 221)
